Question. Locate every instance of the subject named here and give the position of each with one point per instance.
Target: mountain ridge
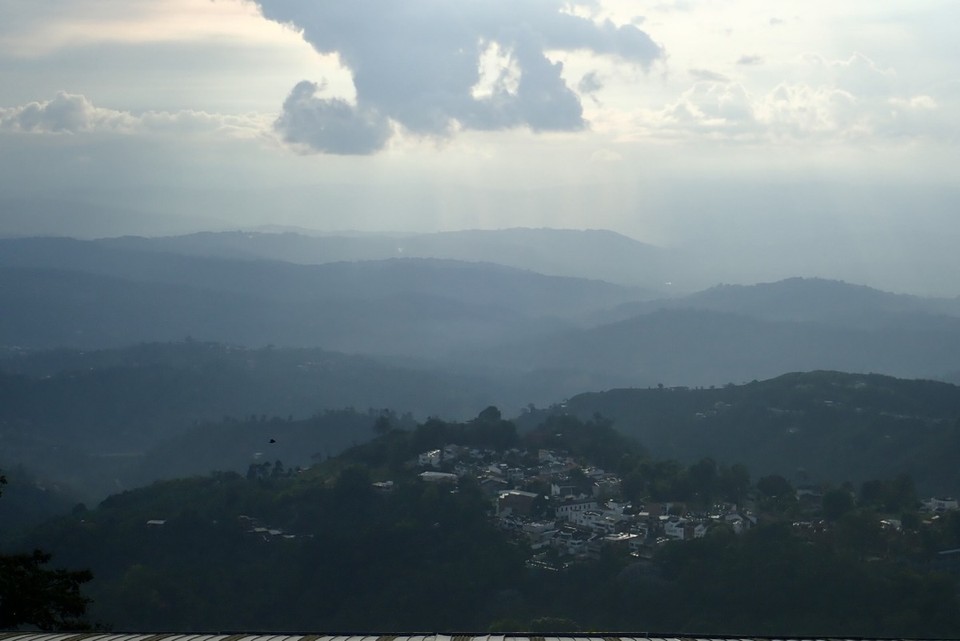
(596, 254)
(815, 426)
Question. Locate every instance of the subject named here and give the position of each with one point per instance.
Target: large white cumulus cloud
(417, 63)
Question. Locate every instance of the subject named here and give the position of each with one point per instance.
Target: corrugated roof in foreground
(104, 636)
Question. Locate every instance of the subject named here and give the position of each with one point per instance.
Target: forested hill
(91, 423)
(327, 549)
(95, 422)
(825, 426)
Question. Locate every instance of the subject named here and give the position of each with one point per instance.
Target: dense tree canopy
(325, 549)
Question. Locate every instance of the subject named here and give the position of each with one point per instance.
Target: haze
(759, 140)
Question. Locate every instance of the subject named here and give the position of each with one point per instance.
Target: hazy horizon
(765, 141)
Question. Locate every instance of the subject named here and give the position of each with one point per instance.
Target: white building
(430, 459)
(567, 510)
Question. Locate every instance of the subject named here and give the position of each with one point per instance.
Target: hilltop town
(566, 509)
(562, 507)
(475, 525)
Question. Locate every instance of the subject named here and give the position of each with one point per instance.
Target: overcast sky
(775, 138)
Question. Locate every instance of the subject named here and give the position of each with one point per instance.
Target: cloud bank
(66, 113)
(838, 100)
(417, 65)
(69, 113)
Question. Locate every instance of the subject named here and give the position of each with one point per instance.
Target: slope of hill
(699, 347)
(823, 426)
(87, 295)
(89, 420)
(738, 333)
(480, 283)
(324, 549)
(513, 331)
(592, 253)
(810, 300)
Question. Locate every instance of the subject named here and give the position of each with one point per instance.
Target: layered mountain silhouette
(124, 345)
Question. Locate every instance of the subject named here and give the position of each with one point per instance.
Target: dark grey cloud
(330, 125)
(417, 62)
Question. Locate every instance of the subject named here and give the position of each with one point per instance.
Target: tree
(777, 495)
(382, 425)
(836, 503)
(490, 415)
(892, 497)
(703, 479)
(31, 594)
(774, 486)
(734, 482)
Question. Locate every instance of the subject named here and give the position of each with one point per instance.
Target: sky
(766, 139)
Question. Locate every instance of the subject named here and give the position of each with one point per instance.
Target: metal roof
(109, 636)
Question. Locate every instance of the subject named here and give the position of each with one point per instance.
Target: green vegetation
(826, 427)
(325, 549)
(96, 422)
(319, 554)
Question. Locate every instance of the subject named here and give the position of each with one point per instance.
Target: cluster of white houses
(552, 502)
(577, 511)
(582, 526)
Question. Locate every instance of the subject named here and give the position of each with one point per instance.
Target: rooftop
(107, 636)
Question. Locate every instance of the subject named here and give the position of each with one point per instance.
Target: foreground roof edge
(426, 636)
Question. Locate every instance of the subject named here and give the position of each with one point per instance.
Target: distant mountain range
(127, 360)
(814, 300)
(594, 253)
(701, 348)
(549, 336)
(135, 347)
(87, 294)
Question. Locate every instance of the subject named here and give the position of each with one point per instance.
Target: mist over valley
(476, 318)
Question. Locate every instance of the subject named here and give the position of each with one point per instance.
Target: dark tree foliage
(836, 426)
(836, 503)
(34, 595)
(774, 486)
(771, 581)
(700, 484)
(594, 440)
(325, 549)
(392, 448)
(892, 496)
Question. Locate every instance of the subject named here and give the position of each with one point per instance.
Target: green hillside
(325, 549)
(823, 426)
(101, 421)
